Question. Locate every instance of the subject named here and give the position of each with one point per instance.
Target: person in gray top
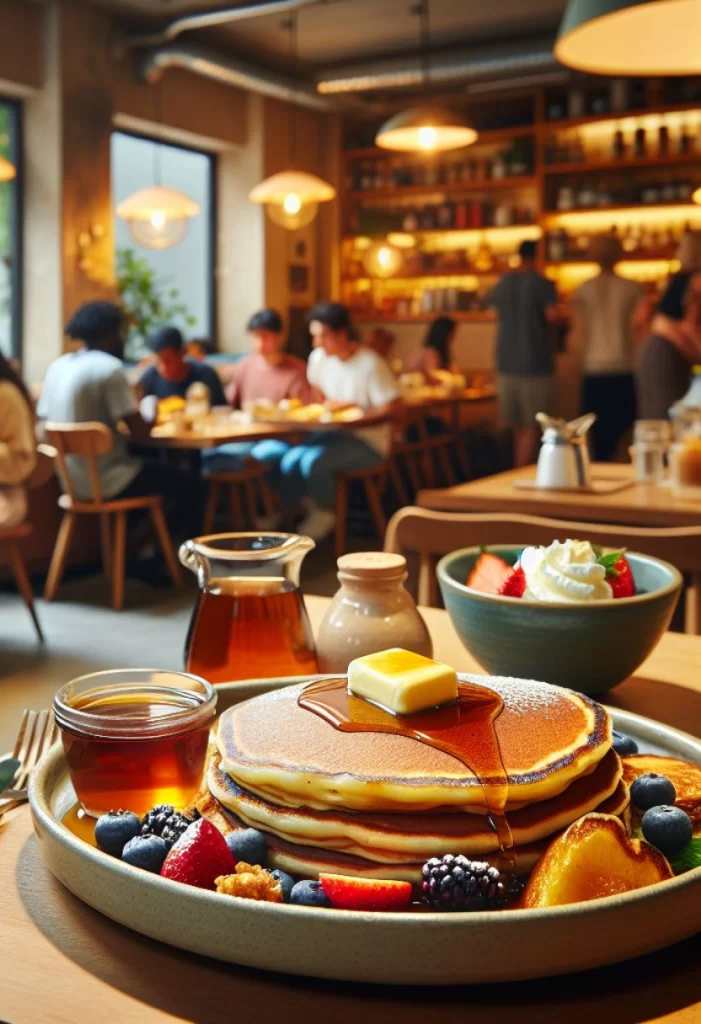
(526, 305)
(89, 385)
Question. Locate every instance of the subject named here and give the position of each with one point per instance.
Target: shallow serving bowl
(588, 647)
(401, 948)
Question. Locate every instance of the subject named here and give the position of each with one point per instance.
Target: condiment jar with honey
(371, 612)
(135, 738)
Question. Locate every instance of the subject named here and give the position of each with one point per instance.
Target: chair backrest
(434, 534)
(80, 440)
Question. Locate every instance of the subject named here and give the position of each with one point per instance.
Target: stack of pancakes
(379, 805)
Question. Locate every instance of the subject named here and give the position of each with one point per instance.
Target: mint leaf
(609, 560)
(688, 859)
(8, 767)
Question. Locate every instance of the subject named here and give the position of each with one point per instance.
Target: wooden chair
(373, 481)
(246, 486)
(88, 441)
(433, 534)
(419, 460)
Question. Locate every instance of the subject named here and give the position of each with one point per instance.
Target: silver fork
(37, 732)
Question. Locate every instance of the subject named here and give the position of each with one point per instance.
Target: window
(10, 234)
(188, 268)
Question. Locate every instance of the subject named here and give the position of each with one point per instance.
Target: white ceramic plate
(401, 948)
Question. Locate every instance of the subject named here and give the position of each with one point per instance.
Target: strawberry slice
(515, 585)
(348, 893)
(619, 575)
(489, 574)
(199, 856)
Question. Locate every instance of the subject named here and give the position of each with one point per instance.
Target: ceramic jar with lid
(371, 612)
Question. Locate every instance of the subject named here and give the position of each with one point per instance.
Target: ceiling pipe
(496, 62)
(210, 19)
(232, 71)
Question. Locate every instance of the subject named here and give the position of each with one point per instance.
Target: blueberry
(309, 894)
(248, 845)
(623, 744)
(667, 828)
(147, 852)
(651, 790)
(114, 830)
(286, 881)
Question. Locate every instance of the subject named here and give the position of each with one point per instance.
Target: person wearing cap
(172, 372)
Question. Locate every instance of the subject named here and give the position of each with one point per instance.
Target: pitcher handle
(191, 558)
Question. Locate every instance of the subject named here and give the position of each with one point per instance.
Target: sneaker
(318, 524)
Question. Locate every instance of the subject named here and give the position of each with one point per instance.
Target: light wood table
(636, 505)
(63, 963)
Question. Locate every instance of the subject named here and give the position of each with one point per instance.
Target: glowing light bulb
(158, 219)
(427, 137)
(384, 256)
(292, 203)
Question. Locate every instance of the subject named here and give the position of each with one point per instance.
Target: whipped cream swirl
(567, 572)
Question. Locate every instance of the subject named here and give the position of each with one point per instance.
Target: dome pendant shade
(157, 217)
(425, 131)
(291, 198)
(8, 171)
(631, 37)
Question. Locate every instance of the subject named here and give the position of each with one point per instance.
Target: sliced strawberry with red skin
(489, 574)
(621, 578)
(348, 893)
(515, 585)
(199, 856)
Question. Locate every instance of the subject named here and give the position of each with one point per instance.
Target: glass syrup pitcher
(249, 621)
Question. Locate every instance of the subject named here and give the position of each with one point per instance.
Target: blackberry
(166, 822)
(456, 883)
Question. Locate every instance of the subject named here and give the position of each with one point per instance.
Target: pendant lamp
(631, 37)
(383, 259)
(291, 197)
(157, 217)
(425, 129)
(8, 171)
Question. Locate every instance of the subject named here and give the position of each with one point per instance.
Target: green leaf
(8, 767)
(609, 560)
(688, 859)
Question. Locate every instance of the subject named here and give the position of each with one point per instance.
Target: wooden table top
(218, 430)
(62, 962)
(635, 505)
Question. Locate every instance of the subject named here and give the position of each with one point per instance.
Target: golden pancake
(548, 737)
(685, 775)
(421, 835)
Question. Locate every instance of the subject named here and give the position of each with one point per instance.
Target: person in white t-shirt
(346, 374)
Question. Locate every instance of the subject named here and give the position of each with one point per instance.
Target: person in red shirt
(267, 373)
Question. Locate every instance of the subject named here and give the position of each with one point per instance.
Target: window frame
(212, 283)
(15, 126)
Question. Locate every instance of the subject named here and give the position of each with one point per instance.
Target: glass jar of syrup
(134, 738)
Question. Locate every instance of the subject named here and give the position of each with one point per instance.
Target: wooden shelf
(490, 136)
(587, 166)
(624, 208)
(504, 229)
(463, 316)
(475, 187)
(499, 268)
(618, 115)
(661, 254)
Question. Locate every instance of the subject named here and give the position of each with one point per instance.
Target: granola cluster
(252, 882)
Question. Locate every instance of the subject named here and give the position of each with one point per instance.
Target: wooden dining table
(63, 962)
(627, 501)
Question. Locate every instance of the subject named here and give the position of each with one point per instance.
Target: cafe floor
(83, 634)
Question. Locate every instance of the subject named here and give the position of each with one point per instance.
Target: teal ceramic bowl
(588, 647)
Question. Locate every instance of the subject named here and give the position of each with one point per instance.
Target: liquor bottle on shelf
(558, 245)
(686, 142)
(663, 140)
(640, 143)
(619, 145)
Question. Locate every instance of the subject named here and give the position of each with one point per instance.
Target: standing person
(526, 305)
(674, 345)
(17, 444)
(608, 313)
(346, 374)
(436, 352)
(172, 372)
(89, 385)
(268, 373)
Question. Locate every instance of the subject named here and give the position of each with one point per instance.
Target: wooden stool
(88, 441)
(373, 481)
(248, 484)
(9, 536)
(419, 459)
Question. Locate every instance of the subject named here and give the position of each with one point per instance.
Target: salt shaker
(371, 612)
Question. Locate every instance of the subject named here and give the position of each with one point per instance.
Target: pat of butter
(401, 681)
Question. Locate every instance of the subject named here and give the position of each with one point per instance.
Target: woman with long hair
(17, 444)
(674, 345)
(436, 351)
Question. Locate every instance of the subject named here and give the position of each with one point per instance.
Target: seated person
(270, 373)
(380, 340)
(435, 352)
(346, 374)
(89, 385)
(199, 349)
(172, 374)
(17, 444)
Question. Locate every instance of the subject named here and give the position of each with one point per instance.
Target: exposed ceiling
(346, 30)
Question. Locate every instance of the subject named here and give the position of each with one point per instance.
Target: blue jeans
(309, 470)
(230, 458)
